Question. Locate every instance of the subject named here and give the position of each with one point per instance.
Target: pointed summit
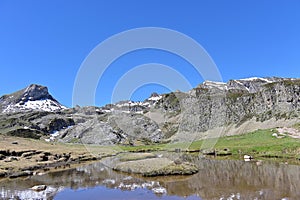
(36, 92)
(33, 97)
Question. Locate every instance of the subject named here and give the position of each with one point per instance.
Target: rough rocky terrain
(25, 157)
(37, 133)
(209, 110)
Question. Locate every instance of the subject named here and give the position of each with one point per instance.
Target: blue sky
(45, 42)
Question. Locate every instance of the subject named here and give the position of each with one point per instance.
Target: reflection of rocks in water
(88, 176)
(216, 179)
(48, 193)
(222, 178)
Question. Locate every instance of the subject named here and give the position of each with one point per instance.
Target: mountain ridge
(209, 110)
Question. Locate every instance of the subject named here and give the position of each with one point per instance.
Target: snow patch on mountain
(43, 105)
(154, 98)
(257, 78)
(33, 97)
(214, 84)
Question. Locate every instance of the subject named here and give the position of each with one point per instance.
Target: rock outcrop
(231, 108)
(210, 109)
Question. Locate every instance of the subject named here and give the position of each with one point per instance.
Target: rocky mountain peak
(154, 94)
(33, 97)
(35, 92)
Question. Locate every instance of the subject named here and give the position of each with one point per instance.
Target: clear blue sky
(45, 42)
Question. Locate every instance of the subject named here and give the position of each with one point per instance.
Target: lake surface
(217, 179)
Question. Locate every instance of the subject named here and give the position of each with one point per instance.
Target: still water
(217, 179)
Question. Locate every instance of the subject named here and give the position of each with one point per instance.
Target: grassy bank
(23, 154)
(259, 143)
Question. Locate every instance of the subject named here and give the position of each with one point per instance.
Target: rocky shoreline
(25, 157)
(21, 157)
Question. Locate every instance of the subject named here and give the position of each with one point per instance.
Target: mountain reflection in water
(217, 179)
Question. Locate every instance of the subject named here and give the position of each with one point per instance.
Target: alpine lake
(216, 179)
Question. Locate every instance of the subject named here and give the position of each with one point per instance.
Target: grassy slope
(259, 143)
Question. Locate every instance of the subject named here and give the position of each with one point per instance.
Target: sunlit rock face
(235, 107)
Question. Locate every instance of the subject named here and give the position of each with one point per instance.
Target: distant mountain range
(210, 109)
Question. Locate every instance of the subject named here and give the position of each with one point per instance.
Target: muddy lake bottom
(216, 179)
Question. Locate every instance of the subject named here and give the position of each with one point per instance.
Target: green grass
(143, 148)
(259, 143)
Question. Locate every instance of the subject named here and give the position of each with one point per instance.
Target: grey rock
(39, 188)
(175, 116)
(10, 159)
(20, 174)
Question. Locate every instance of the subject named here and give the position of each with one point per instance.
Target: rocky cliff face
(210, 109)
(231, 105)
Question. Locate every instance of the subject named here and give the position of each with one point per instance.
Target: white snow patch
(257, 78)
(249, 79)
(146, 104)
(45, 105)
(214, 82)
(219, 85)
(268, 81)
(156, 98)
(240, 83)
